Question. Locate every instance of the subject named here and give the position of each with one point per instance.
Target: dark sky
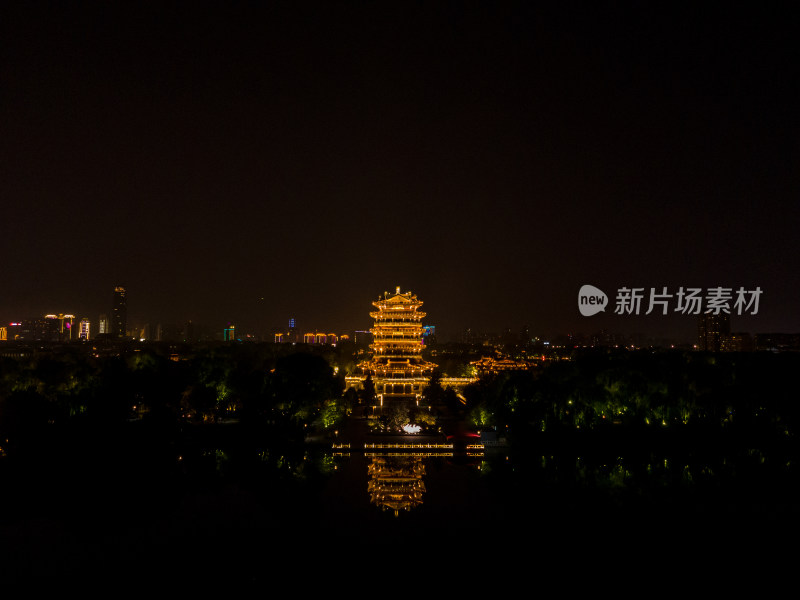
(255, 162)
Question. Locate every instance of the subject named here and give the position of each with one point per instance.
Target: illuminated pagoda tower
(397, 368)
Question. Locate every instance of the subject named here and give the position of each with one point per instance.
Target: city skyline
(714, 316)
(253, 164)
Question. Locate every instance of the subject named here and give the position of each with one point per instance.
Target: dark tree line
(264, 387)
(667, 390)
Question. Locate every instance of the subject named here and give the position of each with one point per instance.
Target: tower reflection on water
(396, 470)
(395, 482)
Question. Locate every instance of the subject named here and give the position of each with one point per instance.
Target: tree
(367, 394)
(423, 417)
(332, 413)
(433, 393)
(397, 415)
(299, 386)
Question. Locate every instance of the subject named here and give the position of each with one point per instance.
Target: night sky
(249, 163)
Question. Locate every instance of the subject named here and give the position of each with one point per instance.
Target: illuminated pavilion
(397, 368)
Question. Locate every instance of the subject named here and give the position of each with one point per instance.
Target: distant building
(119, 313)
(84, 329)
(778, 342)
(321, 338)
(604, 338)
(362, 338)
(489, 364)
(103, 327)
(142, 332)
(229, 333)
(58, 328)
(292, 337)
(738, 342)
(712, 330)
(18, 329)
(50, 328)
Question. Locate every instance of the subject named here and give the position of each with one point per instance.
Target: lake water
(267, 511)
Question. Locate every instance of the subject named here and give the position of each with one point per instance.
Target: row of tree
(641, 389)
(290, 390)
(287, 392)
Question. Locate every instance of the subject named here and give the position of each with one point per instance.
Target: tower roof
(397, 298)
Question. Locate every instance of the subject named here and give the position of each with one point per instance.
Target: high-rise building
(103, 327)
(67, 324)
(712, 330)
(396, 366)
(51, 329)
(15, 330)
(29, 329)
(58, 328)
(119, 313)
(84, 329)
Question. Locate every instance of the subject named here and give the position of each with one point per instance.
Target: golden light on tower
(396, 366)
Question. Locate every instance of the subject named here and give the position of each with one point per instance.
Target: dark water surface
(219, 506)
